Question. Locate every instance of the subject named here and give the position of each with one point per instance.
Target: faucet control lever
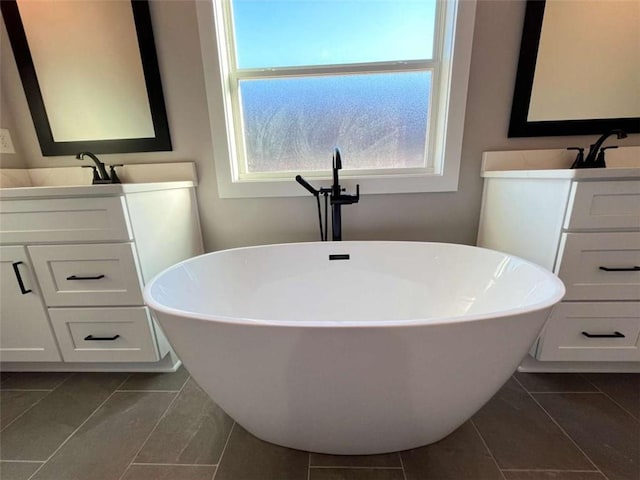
(600, 162)
(579, 161)
(113, 174)
(346, 199)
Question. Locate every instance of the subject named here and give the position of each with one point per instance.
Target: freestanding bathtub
(352, 347)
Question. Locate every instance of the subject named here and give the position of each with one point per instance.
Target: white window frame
(450, 76)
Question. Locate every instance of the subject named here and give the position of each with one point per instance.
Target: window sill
(383, 184)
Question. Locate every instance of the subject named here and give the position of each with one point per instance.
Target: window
(288, 80)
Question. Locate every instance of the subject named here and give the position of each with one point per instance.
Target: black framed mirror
(527, 117)
(90, 74)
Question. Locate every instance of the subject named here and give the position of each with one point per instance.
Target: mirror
(579, 69)
(90, 74)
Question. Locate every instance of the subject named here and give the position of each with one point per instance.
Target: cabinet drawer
(601, 205)
(64, 220)
(582, 255)
(105, 334)
(563, 338)
(87, 275)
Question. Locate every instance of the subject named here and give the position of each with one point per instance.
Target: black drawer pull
(635, 268)
(91, 337)
(76, 277)
(23, 290)
(615, 334)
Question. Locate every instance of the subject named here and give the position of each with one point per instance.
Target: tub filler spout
(336, 198)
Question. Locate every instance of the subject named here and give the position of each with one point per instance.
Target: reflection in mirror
(92, 88)
(579, 69)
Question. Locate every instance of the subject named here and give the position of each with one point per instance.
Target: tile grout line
(177, 394)
(27, 389)
(308, 465)
(22, 461)
(150, 391)
(610, 398)
(547, 470)
(224, 449)
(404, 473)
(556, 393)
(78, 428)
(175, 464)
(355, 467)
(39, 390)
(486, 446)
(562, 429)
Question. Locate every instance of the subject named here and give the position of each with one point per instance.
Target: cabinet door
(25, 331)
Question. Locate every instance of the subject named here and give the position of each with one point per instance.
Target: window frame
(450, 72)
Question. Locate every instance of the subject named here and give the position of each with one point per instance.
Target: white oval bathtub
(391, 348)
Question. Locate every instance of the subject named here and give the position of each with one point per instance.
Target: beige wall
(226, 223)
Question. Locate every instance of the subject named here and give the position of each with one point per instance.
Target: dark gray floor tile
(18, 470)
(105, 445)
(604, 431)
(35, 380)
(387, 460)
(248, 458)
(171, 382)
(554, 382)
(193, 431)
(14, 403)
(41, 430)
(522, 436)
(356, 474)
(461, 455)
(552, 475)
(169, 472)
(624, 388)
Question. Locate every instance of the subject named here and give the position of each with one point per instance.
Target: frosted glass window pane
(377, 120)
(280, 33)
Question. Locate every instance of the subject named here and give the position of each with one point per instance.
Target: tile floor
(118, 426)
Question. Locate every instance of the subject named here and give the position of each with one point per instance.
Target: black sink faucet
(103, 176)
(594, 148)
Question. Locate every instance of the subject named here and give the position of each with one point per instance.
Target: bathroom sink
(75, 181)
(623, 162)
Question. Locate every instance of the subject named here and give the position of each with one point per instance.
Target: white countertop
(76, 182)
(623, 162)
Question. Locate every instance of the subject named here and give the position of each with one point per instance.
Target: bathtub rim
(155, 305)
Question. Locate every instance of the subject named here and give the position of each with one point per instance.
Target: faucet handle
(579, 161)
(96, 177)
(113, 174)
(600, 162)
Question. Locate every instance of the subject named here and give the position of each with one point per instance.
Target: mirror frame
(519, 126)
(26, 69)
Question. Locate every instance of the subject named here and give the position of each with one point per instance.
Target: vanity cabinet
(87, 253)
(587, 231)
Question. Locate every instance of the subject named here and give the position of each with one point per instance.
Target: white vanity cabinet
(585, 227)
(86, 253)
